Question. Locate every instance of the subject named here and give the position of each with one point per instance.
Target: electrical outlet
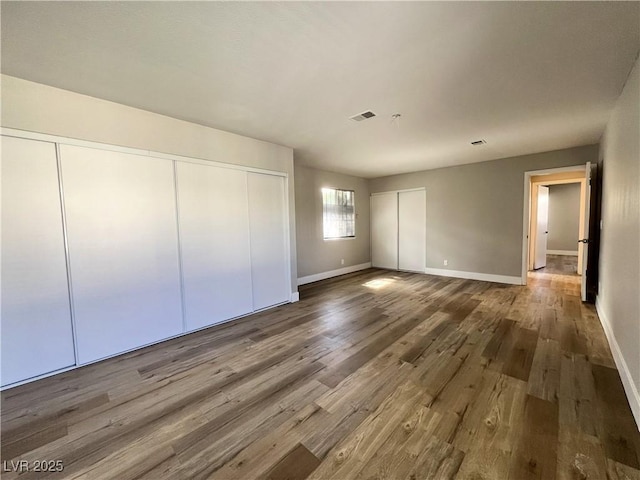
(342, 261)
(446, 262)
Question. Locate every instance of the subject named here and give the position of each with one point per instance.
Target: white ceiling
(527, 77)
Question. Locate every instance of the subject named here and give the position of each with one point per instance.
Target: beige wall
(618, 299)
(564, 217)
(474, 212)
(316, 255)
(39, 108)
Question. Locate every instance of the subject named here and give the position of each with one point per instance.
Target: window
(338, 213)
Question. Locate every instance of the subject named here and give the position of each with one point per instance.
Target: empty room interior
(320, 240)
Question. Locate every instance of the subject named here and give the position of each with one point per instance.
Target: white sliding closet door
(123, 246)
(412, 231)
(214, 241)
(269, 251)
(384, 230)
(37, 335)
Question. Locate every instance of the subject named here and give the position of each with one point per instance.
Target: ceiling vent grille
(479, 142)
(363, 116)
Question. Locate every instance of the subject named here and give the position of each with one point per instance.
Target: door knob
(584, 240)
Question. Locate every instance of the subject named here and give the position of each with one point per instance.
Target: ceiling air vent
(363, 116)
(479, 142)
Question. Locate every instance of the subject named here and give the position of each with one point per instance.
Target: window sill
(338, 239)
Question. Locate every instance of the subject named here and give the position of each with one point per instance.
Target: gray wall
(316, 255)
(474, 212)
(618, 299)
(564, 217)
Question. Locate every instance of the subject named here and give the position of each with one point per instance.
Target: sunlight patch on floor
(379, 283)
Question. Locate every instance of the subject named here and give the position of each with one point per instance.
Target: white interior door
(270, 274)
(123, 247)
(542, 226)
(585, 240)
(412, 230)
(384, 230)
(37, 334)
(214, 243)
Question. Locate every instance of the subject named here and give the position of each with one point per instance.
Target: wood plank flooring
(374, 375)
(561, 265)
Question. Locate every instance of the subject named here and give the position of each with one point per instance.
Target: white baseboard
(630, 388)
(573, 253)
(486, 277)
(295, 297)
(332, 273)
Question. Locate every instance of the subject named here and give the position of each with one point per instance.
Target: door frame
(527, 208)
(582, 228)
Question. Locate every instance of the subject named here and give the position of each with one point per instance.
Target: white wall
(40, 108)
(618, 300)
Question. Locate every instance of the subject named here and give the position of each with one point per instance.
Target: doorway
(556, 223)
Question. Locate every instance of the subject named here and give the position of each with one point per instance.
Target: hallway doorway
(556, 223)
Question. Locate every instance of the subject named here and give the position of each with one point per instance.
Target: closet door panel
(37, 334)
(269, 251)
(412, 234)
(384, 230)
(214, 240)
(123, 245)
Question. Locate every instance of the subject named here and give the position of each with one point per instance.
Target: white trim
(547, 171)
(485, 277)
(335, 239)
(287, 224)
(176, 199)
(201, 161)
(399, 191)
(67, 258)
(333, 273)
(630, 388)
(572, 253)
(295, 297)
(45, 137)
(526, 221)
(526, 211)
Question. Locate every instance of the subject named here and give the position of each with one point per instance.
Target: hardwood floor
(375, 375)
(561, 265)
